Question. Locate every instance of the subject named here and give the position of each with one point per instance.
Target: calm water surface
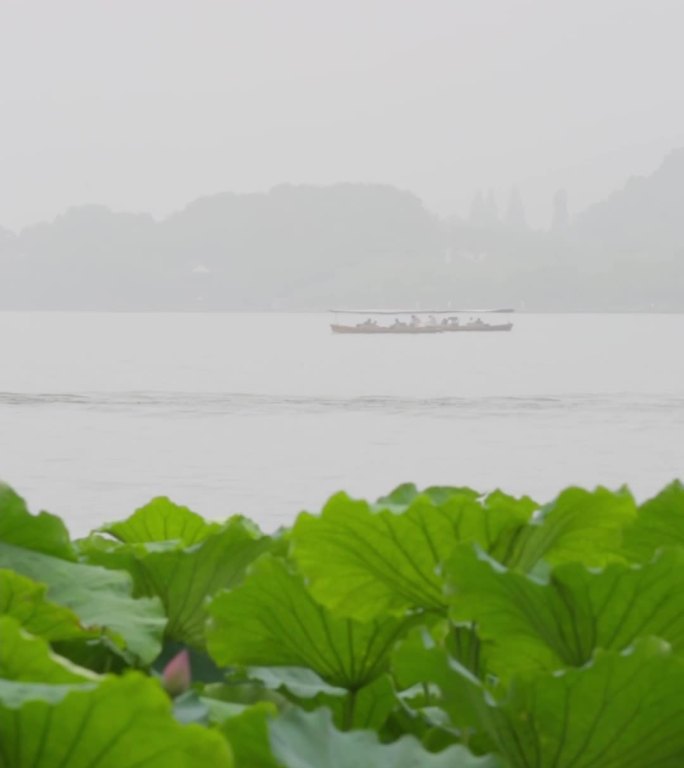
(270, 414)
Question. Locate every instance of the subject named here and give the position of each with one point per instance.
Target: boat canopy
(417, 311)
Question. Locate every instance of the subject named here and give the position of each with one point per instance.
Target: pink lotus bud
(177, 674)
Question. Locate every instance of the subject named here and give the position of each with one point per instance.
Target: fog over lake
(270, 414)
(187, 186)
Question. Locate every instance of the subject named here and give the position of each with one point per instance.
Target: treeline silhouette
(309, 248)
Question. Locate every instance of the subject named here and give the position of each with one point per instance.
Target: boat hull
(408, 330)
(474, 328)
(355, 329)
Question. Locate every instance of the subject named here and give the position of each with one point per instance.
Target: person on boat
(398, 324)
(415, 321)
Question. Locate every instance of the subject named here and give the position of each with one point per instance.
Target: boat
(423, 321)
(453, 325)
(337, 328)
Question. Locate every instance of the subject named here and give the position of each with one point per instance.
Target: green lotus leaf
(272, 620)
(162, 520)
(579, 526)
(659, 523)
(54, 714)
(446, 621)
(181, 576)
(99, 597)
(246, 728)
(404, 495)
(310, 740)
(364, 561)
(28, 659)
(370, 706)
(25, 600)
(299, 681)
(528, 623)
(622, 709)
(40, 533)
(365, 709)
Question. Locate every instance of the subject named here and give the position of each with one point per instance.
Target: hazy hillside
(623, 254)
(304, 247)
(7, 242)
(645, 219)
(293, 247)
(296, 246)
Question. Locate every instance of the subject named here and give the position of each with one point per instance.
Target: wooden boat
(477, 325)
(336, 328)
(420, 321)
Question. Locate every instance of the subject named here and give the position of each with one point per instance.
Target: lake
(269, 414)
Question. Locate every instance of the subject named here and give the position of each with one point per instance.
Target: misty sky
(147, 104)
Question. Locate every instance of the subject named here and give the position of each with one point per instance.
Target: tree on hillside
(561, 218)
(515, 212)
(491, 210)
(477, 215)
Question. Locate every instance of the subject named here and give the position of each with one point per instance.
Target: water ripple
(207, 403)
